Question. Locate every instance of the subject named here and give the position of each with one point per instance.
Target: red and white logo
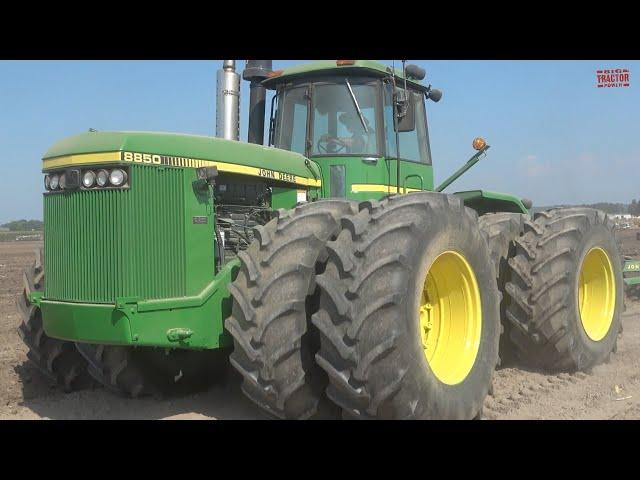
(617, 77)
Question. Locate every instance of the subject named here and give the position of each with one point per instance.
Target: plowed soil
(610, 391)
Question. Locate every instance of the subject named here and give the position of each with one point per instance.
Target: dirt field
(610, 391)
(629, 244)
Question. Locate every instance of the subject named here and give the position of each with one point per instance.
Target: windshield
(344, 119)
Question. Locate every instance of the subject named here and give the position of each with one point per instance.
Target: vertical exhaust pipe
(255, 72)
(228, 102)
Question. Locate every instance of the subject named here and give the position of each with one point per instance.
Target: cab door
(412, 145)
(348, 110)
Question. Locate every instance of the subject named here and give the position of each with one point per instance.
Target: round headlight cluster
(116, 177)
(103, 178)
(55, 182)
(89, 179)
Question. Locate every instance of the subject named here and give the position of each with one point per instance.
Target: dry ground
(610, 391)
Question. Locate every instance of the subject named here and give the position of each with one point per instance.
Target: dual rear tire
(379, 268)
(565, 290)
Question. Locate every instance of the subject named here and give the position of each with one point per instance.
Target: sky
(555, 137)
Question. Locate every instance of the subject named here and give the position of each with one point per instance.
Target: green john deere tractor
(631, 274)
(326, 268)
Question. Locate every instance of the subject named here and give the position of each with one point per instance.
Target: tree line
(608, 207)
(634, 207)
(23, 225)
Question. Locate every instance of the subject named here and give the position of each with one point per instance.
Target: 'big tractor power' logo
(618, 77)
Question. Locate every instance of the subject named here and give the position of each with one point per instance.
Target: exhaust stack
(256, 71)
(228, 102)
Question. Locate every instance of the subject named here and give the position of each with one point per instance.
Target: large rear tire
(566, 290)
(274, 296)
(57, 359)
(409, 311)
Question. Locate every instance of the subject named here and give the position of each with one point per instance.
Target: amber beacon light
(479, 143)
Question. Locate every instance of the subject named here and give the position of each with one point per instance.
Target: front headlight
(63, 181)
(47, 182)
(102, 178)
(89, 179)
(54, 183)
(117, 177)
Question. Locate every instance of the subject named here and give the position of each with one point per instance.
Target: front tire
(57, 359)
(274, 296)
(140, 371)
(399, 271)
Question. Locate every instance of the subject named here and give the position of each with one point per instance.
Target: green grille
(101, 245)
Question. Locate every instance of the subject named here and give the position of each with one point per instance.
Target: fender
(484, 201)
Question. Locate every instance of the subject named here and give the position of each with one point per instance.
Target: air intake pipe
(228, 102)
(256, 71)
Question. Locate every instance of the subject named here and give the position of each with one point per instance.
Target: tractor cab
(355, 119)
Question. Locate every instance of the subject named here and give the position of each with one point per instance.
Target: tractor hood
(178, 150)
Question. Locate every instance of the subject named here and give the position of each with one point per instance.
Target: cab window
(414, 145)
(292, 120)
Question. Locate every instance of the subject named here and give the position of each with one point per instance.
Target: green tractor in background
(326, 267)
(631, 274)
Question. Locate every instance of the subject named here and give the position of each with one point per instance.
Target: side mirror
(272, 119)
(405, 111)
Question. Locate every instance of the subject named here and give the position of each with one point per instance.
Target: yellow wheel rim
(596, 294)
(450, 318)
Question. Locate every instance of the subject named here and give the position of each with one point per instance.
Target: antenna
(404, 72)
(395, 120)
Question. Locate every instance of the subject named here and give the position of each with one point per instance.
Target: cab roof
(330, 67)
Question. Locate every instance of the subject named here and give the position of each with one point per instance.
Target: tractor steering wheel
(326, 140)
